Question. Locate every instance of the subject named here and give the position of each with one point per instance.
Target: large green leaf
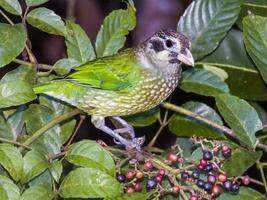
(13, 93)
(11, 6)
(5, 128)
(11, 160)
(50, 141)
(206, 22)
(111, 36)
(64, 65)
(241, 117)
(245, 193)
(144, 119)
(8, 190)
(45, 179)
(255, 28)
(34, 164)
(243, 78)
(89, 183)
(47, 21)
(12, 42)
(203, 82)
(132, 196)
(186, 126)
(78, 44)
(35, 2)
(56, 169)
(241, 158)
(23, 73)
(38, 193)
(88, 153)
(59, 107)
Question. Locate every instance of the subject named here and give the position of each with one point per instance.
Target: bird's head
(169, 47)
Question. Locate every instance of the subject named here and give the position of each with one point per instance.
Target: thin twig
(6, 17)
(71, 9)
(40, 66)
(51, 124)
(82, 117)
(15, 143)
(229, 132)
(259, 166)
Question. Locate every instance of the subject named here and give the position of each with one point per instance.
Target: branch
(15, 143)
(51, 124)
(229, 132)
(40, 66)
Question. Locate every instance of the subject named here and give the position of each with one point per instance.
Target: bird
(132, 81)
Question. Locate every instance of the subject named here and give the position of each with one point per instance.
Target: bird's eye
(168, 43)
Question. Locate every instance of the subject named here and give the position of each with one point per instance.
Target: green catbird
(132, 81)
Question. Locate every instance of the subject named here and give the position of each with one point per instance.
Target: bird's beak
(186, 58)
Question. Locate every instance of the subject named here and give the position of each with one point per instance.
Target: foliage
(37, 156)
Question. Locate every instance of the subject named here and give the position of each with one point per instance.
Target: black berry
(207, 155)
(235, 187)
(208, 168)
(195, 175)
(211, 179)
(184, 175)
(207, 186)
(200, 183)
(227, 185)
(151, 184)
(121, 178)
(227, 153)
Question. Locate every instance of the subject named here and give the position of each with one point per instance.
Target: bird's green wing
(109, 73)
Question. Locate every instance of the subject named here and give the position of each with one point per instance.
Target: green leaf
(23, 73)
(56, 169)
(34, 164)
(13, 93)
(35, 2)
(133, 196)
(186, 126)
(11, 160)
(144, 119)
(63, 66)
(251, 7)
(38, 193)
(243, 159)
(47, 21)
(50, 141)
(8, 190)
(12, 42)
(116, 26)
(43, 179)
(78, 44)
(88, 153)
(5, 128)
(243, 79)
(206, 22)
(245, 193)
(59, 107)
(241, 117)
(11, 6)
(203, 82)
(254, 28)
(89, 183)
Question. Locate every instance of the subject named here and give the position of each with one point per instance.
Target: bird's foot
(126, 128)
(132, 143)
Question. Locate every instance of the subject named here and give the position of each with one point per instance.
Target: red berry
(138, 187)
(216, 189)
(246, 180)
(203, 162)
(161, 172)
(193, 197)
(148, 166)
(130, 175)
(173, 158)
(139, 175)
(130, 190)
(175, 189)
(222, 178)
(200, 167)
(225, 148)
(158, 179)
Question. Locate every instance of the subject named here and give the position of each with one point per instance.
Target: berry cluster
(198, 179)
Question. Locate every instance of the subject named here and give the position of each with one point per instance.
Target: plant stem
(70, 13)
(15, 143)
(76, 130)
(260, 167)
(50, 124)
(40, 66)
(229, 132)
(6, 17)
